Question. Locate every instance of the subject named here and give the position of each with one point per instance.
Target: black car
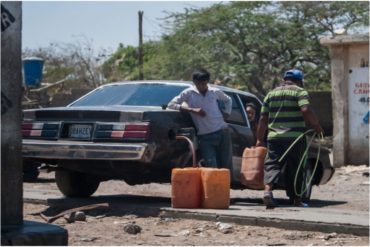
(125, 131)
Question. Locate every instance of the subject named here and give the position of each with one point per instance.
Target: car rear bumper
(42, 149)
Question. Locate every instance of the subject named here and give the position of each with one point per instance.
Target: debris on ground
(73, 210)
(184, 233)
(70, 218)
(329, 236)
(360, 168)
(132, 228)
(80, 216)
(224, 228)
(92, 239)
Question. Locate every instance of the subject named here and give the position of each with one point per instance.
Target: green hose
(304, 159)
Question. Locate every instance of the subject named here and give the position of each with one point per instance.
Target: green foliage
(247, 45)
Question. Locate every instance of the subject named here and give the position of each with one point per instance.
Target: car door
(241, 133)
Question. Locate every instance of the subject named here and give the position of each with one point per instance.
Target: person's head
(201, 78)
(250, 108)
(294, 75)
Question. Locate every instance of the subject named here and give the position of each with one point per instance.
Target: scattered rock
(365, 174)
(100, 216)
(224, 228)
(168, 219)
(330, 235)
(297, 235)
(162, 235)
(92, 239)
(184, 233)
(132, 228)
(199, 230)
(80, 216)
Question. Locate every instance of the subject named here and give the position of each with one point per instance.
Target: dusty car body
(125, 131)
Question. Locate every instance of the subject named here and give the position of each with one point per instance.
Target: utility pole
(141, 74)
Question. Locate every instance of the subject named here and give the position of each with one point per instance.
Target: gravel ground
(348, 190)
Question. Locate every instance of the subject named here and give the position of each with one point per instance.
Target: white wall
(358, 110)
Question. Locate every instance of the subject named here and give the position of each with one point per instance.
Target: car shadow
(115, 205)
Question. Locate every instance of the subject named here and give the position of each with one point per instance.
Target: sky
(105, 23)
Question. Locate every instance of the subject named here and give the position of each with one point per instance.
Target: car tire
(307, 173)
(76, 184)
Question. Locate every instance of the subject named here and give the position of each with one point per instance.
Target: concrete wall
(11, 93)
(321, 104)
(350, 94)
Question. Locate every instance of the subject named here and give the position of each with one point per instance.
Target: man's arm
(261, 130)
(311, 119)
(227, 102)
(176, 104)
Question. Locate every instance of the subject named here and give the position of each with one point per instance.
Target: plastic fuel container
(252, 170)
(186, 189)
(216, 188)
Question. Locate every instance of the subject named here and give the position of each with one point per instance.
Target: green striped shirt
(283, 107)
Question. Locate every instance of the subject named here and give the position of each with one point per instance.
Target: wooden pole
(11, 114)
(141, 74)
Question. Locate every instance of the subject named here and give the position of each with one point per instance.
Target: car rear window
(131, 94)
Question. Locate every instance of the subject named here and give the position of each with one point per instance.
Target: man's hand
(319, 129)
(198, 111)
(260, 143)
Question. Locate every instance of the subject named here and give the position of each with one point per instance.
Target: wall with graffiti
(358, 109)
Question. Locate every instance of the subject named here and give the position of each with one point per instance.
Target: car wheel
(76, 184)
(306, 187)
(30, 171)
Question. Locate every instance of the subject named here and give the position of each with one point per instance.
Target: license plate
(81, 131)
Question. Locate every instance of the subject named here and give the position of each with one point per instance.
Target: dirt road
(349, 190)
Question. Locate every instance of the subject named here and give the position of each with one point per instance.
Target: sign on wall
(358, 109)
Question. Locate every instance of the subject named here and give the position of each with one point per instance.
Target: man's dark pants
(216, 149)
(273, 168)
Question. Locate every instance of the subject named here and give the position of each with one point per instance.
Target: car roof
(181, 83)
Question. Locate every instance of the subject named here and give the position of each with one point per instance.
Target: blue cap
(293, 74)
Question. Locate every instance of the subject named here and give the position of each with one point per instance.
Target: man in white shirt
(212, 130)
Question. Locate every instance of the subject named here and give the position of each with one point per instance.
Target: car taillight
(39, 129)
(134, 131)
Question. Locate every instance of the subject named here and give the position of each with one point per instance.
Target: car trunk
(102, 124)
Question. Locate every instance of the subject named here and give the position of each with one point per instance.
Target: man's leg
(294, 186)
(207, 145)
(272, 170)
(224, 151)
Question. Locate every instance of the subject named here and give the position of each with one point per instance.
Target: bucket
(252, 169)
(186, 188)
(32, 71)
(216, 188)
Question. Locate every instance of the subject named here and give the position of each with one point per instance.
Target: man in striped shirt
(284, 113)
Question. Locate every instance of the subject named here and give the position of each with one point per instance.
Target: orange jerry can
(186, 184)
(186, 188)
(252, 169)
(216, 188)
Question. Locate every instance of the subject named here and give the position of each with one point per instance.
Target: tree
(78, 60)
(248, 45)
